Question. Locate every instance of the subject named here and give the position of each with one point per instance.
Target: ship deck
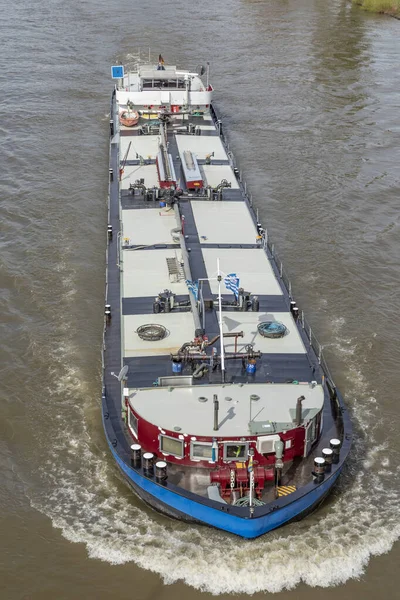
(221, 230)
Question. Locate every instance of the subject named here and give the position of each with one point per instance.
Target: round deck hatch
(152, 332)
(272, 329)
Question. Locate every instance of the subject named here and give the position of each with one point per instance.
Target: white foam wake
(85, 497)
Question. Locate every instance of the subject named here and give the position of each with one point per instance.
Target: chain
(232, 479)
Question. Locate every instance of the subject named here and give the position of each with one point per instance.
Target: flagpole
(250, 469)
(221, 333)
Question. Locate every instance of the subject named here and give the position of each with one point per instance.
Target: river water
(309, 94)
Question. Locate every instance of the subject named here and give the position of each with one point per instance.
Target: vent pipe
(298, 410)
(216, 407)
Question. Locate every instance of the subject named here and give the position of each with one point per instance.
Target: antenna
(122, 374)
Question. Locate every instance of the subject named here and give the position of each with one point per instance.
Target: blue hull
(174, 504)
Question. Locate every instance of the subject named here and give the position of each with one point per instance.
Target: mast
(221, 333)
(164, 151)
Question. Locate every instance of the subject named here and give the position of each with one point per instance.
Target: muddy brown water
(309, 95)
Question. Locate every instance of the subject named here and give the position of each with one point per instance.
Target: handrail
(314, 342)
(270, 248)
(119, 250)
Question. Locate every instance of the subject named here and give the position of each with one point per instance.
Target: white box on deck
(214, 174)
(201, 146)
(146, 172)
(180, 327)
(223, 222)
(251, 266)
(143, 145)
(145, 273)
(148, 226)
(247, 322)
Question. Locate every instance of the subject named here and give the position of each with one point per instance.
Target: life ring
(128, 118)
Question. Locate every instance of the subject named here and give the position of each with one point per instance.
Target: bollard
(335, 447)
(327, 454)
(161, 470)
(319, 469)
(148, 463)
(136, 455)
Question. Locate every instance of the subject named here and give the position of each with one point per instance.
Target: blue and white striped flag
(232, 284)
(193, 287)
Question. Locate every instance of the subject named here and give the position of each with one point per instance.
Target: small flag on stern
(232, 284)
(193, 287)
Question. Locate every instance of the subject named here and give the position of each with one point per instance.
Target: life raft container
(128, 118)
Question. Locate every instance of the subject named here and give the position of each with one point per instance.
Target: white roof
(180, 407)
(145, 273)
(148, 226)
(202, 145)
(247, 322)
(166, 73)
(224, 222)
(180, 328)
(251, 266)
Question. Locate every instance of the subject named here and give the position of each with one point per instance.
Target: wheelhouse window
(133, 423)
(236, 451)
(170, 445)
(200, 451)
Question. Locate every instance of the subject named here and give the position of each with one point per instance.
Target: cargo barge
(217, 403)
